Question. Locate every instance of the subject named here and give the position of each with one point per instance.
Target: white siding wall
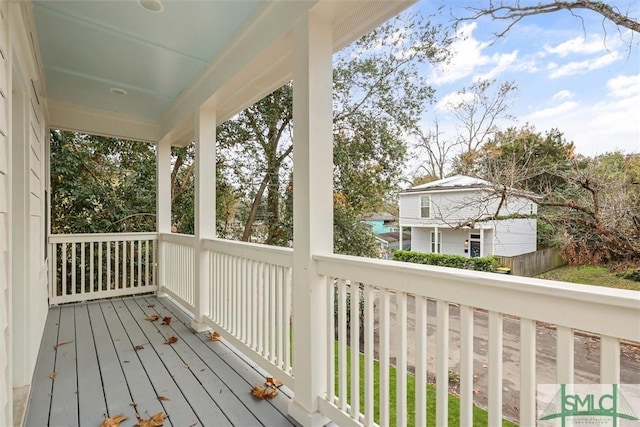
(453, 241)
(6, 403)
(453, 207)
(420, 239)
(515, 237)
(409, 210)
(23, 267)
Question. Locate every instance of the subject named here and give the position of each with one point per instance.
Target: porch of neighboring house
(108, 358)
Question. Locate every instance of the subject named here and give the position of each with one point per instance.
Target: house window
(436, 248)
(425, 206)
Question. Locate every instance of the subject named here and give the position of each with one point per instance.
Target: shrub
(488, 263)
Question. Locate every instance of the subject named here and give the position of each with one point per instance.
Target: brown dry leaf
(271, 392)
(151, 305)
(152, 318)
(258, 391)
(156, 421)
(273, 382)
(113, 421)
(171, 340)
(58, 344)
(166, 320)
(214, 336)
(163, 398)
(264, 392)
(52, 375)
(138, 347)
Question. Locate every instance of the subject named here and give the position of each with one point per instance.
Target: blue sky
(582, 80)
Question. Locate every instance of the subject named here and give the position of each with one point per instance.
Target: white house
(169, 72)
(462, 215)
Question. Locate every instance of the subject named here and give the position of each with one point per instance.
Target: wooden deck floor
(98, 372)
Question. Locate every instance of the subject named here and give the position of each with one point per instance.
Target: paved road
(587, 355)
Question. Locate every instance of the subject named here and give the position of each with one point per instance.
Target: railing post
(205, 210)
(163, 205)
(313, 211)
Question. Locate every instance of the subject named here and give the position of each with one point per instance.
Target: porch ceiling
(170, 62)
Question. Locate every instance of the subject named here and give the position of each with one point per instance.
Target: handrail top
(557, 289)
(100, 237)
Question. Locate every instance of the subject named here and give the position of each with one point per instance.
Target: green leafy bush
(633, 275)
(489, 263)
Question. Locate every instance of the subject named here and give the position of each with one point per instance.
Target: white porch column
(400, 238)
(435, 240)
(481, 242)
(163, 204)
(205, 209)
(312, 211)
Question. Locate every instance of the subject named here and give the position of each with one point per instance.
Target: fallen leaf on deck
(151, 305)
(152, 318)
(214, 336)
(58, 344)
(166, 320)
(138, 347)
(264, 392)
(171, 340)
(273, 382)
(156, 421)
(52, 375)
(113, 421)
(163, 398)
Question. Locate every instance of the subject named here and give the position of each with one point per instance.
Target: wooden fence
(533, 263)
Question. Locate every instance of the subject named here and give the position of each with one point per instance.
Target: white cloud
(610, 124)
(582, 67)
(578, 45)
(504, 62)
(622, 86)
(468, 58)
(563, 94)
(453, 99)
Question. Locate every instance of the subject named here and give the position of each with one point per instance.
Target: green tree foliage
(101, 185)
(598, 209)
(258, 145)
(525, 159)
(372, 78)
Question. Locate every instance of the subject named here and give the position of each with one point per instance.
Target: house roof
(140, 69)
(455, 182)
(378, 216)
(393, 236)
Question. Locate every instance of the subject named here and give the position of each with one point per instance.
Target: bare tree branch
(514, 13)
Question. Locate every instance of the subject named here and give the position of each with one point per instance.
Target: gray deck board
(186, 383)
(116, 390)
(206, 352)
(100, 373)
(40, 399)
(142, 391)
(64, 400)
(91, 401)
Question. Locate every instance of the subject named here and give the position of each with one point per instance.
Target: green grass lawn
(590, 275)
(480, 416)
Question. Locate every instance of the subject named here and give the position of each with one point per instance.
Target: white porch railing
(385, 287)
(177, 269)
(91, 266)
(250, 301)
(249, 304)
